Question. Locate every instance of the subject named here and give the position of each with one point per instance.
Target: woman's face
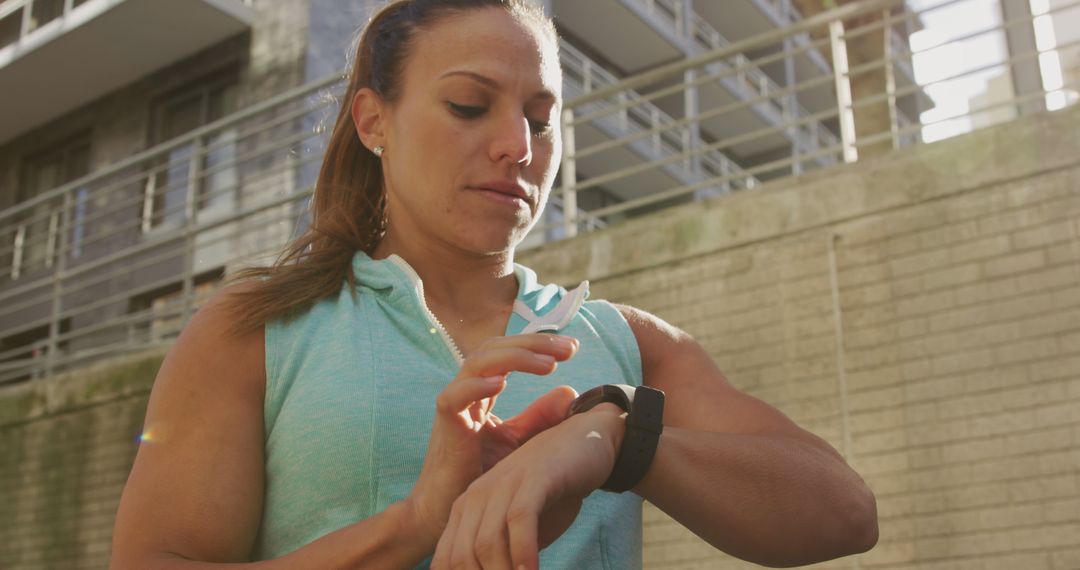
(473, 139)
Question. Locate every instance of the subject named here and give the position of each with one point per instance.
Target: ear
(369, 118)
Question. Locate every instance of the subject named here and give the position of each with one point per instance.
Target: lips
(510, 189)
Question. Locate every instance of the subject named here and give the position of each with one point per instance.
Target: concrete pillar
(874, 118)
(1026, 77)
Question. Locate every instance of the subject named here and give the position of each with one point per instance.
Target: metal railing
(20, 18)
(750, 82)
(885, 120)
(119, 259)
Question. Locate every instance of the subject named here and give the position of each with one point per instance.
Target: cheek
(547, 157)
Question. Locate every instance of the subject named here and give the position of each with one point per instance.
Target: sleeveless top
(350, 401)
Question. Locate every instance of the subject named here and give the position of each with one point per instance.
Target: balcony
(59, 55)
(118, 260)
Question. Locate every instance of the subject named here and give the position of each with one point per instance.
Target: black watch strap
(644, 424)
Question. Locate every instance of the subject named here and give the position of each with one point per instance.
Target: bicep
(196, 488)
(698, 395)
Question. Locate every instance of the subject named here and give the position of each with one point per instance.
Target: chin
(491, 243)
(492, 237)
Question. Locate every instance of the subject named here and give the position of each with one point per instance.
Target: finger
(463, 553)
(492, 542)
(522, 525)
(559, 346)
(464, 391)
(506, 359)
(546, 411)
(441, 558)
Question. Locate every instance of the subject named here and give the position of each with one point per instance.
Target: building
(104, 243)
(137, 177)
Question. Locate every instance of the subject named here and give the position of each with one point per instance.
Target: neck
(455, 281)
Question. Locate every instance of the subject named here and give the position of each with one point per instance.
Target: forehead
(491, 42)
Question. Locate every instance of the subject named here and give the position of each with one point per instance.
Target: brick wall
(920, 311)
(66, 446)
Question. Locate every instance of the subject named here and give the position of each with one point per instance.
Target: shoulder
(699, 395)
(651, 327)
(212, 344)
(206, 404)
(658, 341)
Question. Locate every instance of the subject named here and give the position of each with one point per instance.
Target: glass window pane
(45, 11)
(9, 28)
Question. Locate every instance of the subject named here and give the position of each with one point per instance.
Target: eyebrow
(545, 94)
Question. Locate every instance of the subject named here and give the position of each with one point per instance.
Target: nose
(513, 140)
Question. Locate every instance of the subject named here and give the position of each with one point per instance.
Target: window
(24, 350)
(37, 238)
(170, 178)
(159, 314)
(10, 28)
(45, 11)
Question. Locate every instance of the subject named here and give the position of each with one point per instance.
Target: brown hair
(348, 209)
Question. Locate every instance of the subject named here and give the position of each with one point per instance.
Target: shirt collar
(537, 307)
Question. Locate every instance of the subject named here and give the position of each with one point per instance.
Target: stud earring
(378, 151)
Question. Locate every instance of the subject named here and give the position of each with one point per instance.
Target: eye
(539, 128)
(466, 111)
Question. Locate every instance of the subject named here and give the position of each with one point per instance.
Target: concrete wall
(920, 311)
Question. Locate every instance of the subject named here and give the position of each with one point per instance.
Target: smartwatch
(644, 423)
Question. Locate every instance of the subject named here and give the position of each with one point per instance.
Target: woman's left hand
(531, 497)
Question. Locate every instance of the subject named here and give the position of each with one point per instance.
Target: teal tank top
(350, 400)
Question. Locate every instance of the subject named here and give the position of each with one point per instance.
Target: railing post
(52, 352)
(681, 19)
(624, 113)
(17, 251)
(725, 171)
(693, 109)
(569, 175)
(691, 135)
(190, 222)
(843, 91)
(148, 201)
(791, 101)
(50, 238)
(890, 80)
(654, 124)
(28, 9)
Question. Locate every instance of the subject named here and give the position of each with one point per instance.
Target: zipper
(418, 287)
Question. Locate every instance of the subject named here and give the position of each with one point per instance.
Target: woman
(307, 418)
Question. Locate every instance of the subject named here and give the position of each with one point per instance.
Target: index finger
(559, 346)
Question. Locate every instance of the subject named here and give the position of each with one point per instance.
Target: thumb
(547, 411)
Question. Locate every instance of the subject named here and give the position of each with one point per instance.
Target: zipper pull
(557, 318)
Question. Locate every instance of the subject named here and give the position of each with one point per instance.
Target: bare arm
(729, 467)
(739, 473)
(195, 494)
(194, 497)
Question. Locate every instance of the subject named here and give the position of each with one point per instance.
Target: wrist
(641, 431)
(612, 421)
(414, 521)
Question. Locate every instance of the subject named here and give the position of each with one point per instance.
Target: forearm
(393, 538)
(773, 500)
